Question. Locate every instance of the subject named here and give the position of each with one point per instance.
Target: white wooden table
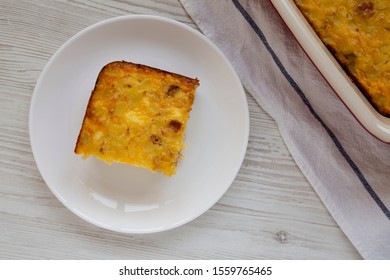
(269, 212)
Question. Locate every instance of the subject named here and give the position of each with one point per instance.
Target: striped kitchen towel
(347, 167)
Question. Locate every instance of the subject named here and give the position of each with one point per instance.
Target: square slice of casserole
(137, 115)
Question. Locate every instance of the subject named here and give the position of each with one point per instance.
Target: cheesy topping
(137, 115)
(357, 32)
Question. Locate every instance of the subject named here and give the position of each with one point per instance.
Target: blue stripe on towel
(358, 173)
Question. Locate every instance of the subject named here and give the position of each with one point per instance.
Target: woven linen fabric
(346, 166)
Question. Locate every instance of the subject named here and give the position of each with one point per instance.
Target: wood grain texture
(269, 212)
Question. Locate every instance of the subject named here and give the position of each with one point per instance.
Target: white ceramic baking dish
(353, 98)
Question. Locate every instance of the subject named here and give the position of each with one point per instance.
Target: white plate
(121, 197)
(353, 98)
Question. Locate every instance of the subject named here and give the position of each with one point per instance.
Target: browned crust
(146, 68)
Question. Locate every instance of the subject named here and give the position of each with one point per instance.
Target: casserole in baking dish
(349, 42)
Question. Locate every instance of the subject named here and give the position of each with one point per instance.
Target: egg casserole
(137, 115)
(357, 32)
